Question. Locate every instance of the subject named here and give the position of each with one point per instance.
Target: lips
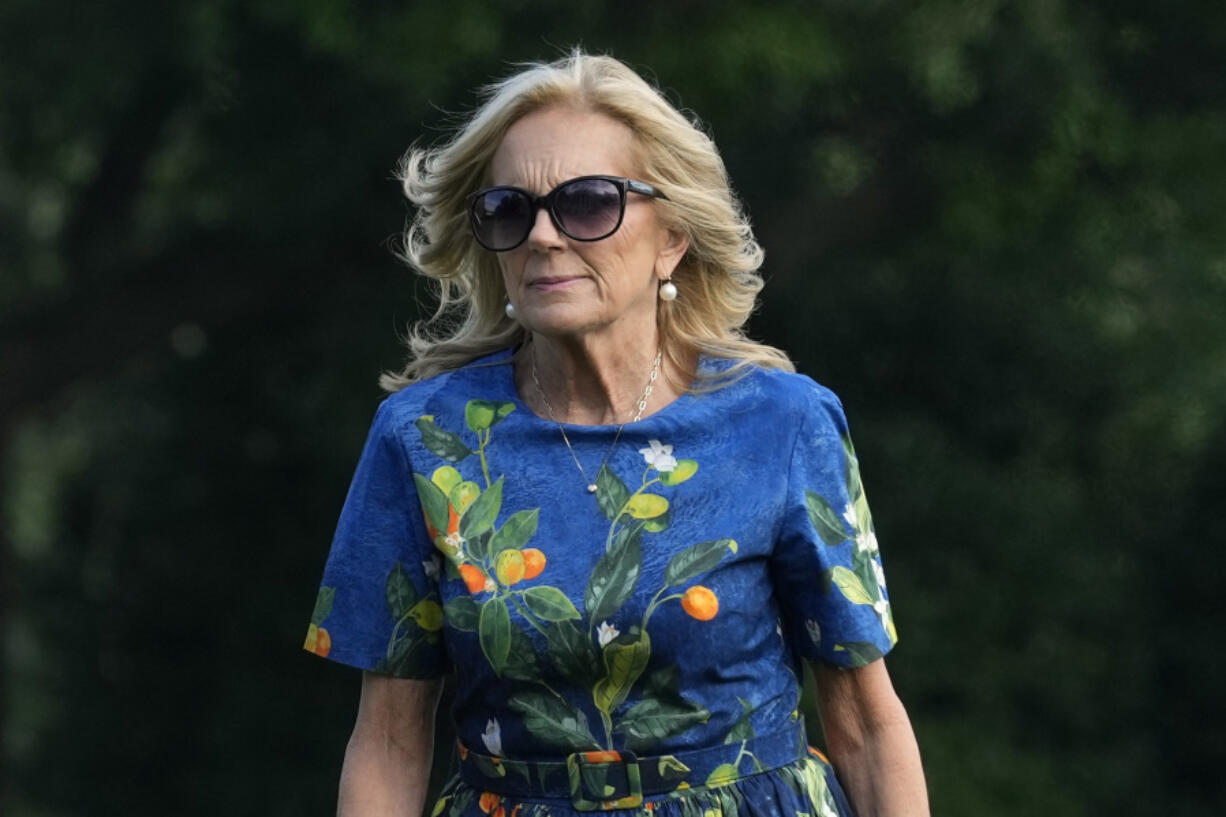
(553, 281)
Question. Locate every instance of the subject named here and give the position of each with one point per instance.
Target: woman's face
(561, 287)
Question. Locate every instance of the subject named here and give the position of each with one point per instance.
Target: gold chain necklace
(641, 407)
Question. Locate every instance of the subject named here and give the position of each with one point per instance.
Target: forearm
(880, 770)
(383, 779)
(387, 762)
(870, 741)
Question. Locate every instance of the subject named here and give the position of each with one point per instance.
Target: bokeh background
(996, 229)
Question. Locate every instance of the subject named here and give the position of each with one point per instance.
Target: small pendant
(591, 489)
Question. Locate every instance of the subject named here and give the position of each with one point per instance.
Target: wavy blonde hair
(718, 277)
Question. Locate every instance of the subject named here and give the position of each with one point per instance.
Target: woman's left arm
(870, 741)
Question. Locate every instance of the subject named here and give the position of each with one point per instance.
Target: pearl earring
(668, 290)
(510, 310)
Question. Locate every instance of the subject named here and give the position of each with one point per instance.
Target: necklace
(641, 406)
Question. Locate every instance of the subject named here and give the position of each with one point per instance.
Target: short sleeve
(826, 566)
(378, 607)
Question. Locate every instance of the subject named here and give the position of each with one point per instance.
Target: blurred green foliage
(996, 229)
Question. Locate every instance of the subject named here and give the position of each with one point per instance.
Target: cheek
(511, 267)
(630, 255)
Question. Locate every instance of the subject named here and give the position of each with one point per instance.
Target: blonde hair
(718, 277)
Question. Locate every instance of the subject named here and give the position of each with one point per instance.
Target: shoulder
(795, 399)
(401, 409)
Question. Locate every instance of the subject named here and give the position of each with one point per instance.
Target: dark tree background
(997, 229)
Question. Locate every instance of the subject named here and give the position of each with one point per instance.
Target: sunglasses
(588, 208)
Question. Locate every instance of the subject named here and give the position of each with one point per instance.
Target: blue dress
(636, 649)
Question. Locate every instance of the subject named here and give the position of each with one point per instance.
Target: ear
(671, 252)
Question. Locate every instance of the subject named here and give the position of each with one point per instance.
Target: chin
(561, 319)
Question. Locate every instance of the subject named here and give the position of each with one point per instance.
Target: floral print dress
(636, 649)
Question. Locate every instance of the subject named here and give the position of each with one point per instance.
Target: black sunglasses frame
(546, 201)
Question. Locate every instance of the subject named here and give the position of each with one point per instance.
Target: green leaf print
(478, 546)
(614, 576)
(522, 661)
(651, 720)
(400, 660)
(550, 604)
(323, 605)
(515, 532)
(441, 443)
(743, 728)
(670, 768)
(861, 652)
(826, 520)
(722, 774)
(433, 503)
(659, 523)
(572, 653)
(481, 514)
(494, 632)
(624, 661)
(611, 493)
(664, 683)
(463, 613)
(696, 560)
(850, 585)
(552, 720)
(401, 595)
(853, 468)
(864, 516)
(862, 566)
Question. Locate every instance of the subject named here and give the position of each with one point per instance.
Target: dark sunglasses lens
(501, 218)
(588, 208)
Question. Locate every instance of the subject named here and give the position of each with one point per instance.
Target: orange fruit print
(534, 562)
(473, 578)
(700, 603)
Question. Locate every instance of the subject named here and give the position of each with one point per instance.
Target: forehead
(552, 145)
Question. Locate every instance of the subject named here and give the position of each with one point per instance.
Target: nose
(544, 235)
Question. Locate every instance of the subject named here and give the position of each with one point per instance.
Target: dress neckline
(504, 359)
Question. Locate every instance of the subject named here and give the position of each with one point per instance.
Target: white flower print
(849, 513)
(815, 632)
(880, 573)
(606, 632)
(867, 541)
(492, 737)
(658, 456)
(455, 541)
(883, 609)
(431, 566)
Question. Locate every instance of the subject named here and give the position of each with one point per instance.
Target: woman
(622, 522)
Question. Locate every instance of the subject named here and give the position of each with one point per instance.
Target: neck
(589, 383)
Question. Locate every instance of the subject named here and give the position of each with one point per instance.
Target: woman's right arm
(387, 761)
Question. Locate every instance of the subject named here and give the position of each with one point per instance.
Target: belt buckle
(590, 789)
